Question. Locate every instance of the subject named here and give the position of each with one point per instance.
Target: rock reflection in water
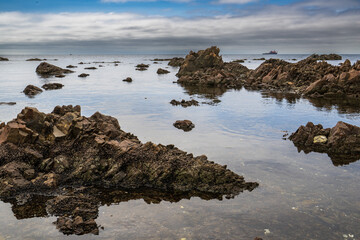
(212, 93)
(342, 105)
(77, 208)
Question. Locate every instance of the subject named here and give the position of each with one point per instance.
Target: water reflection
(77, 208)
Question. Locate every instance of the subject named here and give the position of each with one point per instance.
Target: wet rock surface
(52, 86)
(185, 125)
(162, 71)
(184, 103)
(47, 69)
(32, 90)
(47, 153)
(176, 62)
(4, 59)
(341, 143)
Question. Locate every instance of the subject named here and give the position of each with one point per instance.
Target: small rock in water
(7, 103)
(90, 68)
(52, 86)
(185, 125)
(162, 71)
(32, 90)
(83, 75)
(320, 139)
(128, 79)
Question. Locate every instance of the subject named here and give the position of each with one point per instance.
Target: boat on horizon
(271, 52)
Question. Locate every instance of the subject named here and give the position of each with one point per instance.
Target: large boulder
(47, 69)
(341, 143)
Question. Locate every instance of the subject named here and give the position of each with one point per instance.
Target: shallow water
(301, 196)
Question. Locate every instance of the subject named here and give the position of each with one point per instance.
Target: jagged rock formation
(341, 143)
(331, 56)
(176, 62)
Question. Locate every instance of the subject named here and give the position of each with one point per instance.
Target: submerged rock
(128, 79)
(341, 143)
(184, 103)
(52, 86)
(4, 59)
(48, 151)
(47, 69)
(162, 71)
(32, 90)
(185, 125)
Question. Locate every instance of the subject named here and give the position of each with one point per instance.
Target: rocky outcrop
(184, 103)
(341, 143)
(176, 62)
(48, 151)
(128, 79)
(331, 56)
(4, 59)
(206, 67)
(185, 125)
(52, 86)
(32, 90)
(47, 69)
(162, 71)
(279, 75)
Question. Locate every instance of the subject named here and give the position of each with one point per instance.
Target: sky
(178, 26)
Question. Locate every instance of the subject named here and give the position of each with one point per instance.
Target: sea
(300, 196)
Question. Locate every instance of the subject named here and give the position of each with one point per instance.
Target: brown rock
(83, 75)
(128, 79)
(185, 125)
(52, 86)
(32, 90)
(4, 59)
(162, 71)
(47, 69)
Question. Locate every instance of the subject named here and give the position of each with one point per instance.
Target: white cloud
(283, 28)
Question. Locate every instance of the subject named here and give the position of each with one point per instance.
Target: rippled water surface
(301, 196)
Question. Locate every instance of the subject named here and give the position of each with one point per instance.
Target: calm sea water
(301, 196)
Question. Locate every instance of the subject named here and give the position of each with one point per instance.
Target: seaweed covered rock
(341, 143)
(48, 151)
(47, 69)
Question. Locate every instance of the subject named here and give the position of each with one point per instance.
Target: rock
(4, 59)
(47, 69)
(71, 66)
(259, 59)
(320, 139)
(207, 68)
(185, 125)
(83, 75)
(141, 67)
(90, 68)
(176, 62)
(331, 56)
(184, 103)
(32, 90)
(60, 75)
(162, 71)
(67, 149)
(128, 79)
(239, 61)
(52, 86)
(200, 61)
(7, 103)
(35, 59)
(341, 143)
(160, 59)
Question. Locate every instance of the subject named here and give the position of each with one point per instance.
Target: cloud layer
(292, 28)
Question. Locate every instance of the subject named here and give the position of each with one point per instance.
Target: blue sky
(177, 26)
